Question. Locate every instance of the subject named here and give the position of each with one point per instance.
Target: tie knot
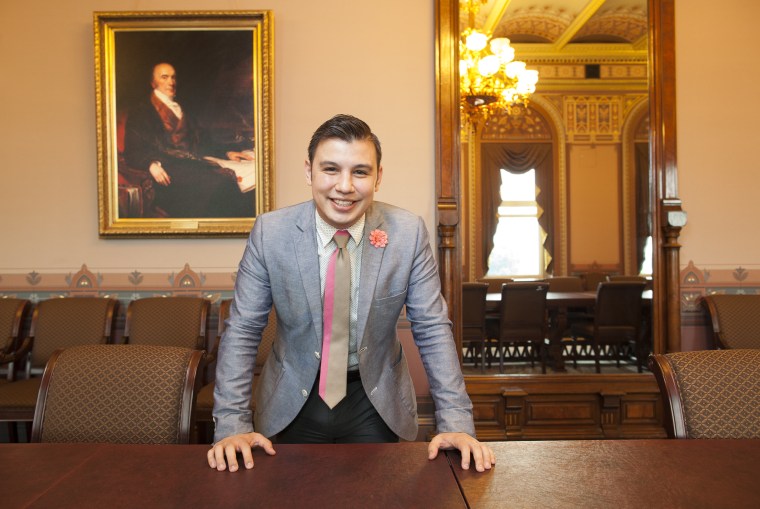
(341, 238)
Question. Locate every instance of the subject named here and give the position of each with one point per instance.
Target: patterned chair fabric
(735, 320)
(60, 323)
(12, 315)
(710, 393)
(205, 401)
(167, 321)
(133, 394)
(56, 324)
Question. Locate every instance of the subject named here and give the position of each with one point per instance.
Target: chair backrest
(474, 310)
(69, 321)
(592, 279)
(735, 320)
(565, 284)
(710, 393)
(522, 312)
(494, 284)
(167, 321)
(617, 312)
(136, 394)
(12, 314)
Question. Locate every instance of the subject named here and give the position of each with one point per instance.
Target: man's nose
(345, 182)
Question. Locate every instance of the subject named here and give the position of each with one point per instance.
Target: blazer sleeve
(240, 343)
(432, 332)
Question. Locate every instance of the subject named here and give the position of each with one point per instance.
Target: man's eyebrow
(355, 167)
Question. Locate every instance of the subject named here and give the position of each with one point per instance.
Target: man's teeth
(343, 203)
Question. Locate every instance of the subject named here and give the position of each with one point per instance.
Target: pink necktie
(332, 378)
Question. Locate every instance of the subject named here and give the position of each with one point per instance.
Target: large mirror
(597, 136)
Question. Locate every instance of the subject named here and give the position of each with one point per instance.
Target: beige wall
(718, 131)
(370, 58)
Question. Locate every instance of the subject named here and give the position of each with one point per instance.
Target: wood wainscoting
(559, 407)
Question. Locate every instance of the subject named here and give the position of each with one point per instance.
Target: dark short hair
(346, 128)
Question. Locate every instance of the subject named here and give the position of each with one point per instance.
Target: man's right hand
(230, 446)
(159, 174)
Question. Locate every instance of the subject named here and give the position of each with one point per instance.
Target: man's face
(343, 177)
(165, 80)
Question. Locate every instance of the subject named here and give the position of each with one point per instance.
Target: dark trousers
(353, 420)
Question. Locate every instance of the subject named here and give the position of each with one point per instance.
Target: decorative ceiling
(541, 31)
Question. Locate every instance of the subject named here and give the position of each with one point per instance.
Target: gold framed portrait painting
(184, 122)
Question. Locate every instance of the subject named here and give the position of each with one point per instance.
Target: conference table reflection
(558, 305)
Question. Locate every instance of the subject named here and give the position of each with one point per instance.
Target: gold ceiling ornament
(490, 79)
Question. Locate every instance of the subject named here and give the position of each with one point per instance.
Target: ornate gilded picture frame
(184, 106)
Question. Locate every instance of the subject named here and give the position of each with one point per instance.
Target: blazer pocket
(391, 300)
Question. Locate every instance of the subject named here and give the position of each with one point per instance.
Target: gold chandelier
(490, 79)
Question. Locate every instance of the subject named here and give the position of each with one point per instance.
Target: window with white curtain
(518, 250)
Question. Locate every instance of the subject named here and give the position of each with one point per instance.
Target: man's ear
(307, 169)
(379, 178)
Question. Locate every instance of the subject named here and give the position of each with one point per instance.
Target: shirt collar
(164, 98)
(326, 231)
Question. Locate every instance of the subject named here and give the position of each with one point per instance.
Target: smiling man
(290, 263)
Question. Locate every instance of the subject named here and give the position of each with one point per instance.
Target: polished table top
(643, 474)
(146, 476)
(613, 473)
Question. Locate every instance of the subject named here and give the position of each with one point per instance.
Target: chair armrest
(19, 353)
(211, 356)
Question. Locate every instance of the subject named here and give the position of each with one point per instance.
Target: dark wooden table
(147, 476)
(642, 474)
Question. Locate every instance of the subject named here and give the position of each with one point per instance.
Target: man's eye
(329, 169)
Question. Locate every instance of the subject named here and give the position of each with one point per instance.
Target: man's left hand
(467, 445)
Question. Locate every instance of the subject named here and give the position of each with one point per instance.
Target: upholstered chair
(132, 394)
(168, 321)
(56, 323)
(710, 393)
(735, 319)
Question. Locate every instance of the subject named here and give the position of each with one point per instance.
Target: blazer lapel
(372, 258)
(305, 247)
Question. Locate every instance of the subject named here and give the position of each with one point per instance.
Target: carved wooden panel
(558, 407)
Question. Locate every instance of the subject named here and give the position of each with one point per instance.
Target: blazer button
(362, 349)
(317, 355)
(304, 393)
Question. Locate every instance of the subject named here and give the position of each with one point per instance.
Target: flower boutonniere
(378, 238)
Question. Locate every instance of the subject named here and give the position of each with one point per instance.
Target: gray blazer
(280, 267)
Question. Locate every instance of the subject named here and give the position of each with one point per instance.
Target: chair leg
(574, 345)
(501, 357)
(596, 358)
(483, 355)
(542, 350)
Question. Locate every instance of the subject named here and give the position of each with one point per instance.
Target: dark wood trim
(448, 208)
(668, 217)
(566, 407)
(674, 418)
